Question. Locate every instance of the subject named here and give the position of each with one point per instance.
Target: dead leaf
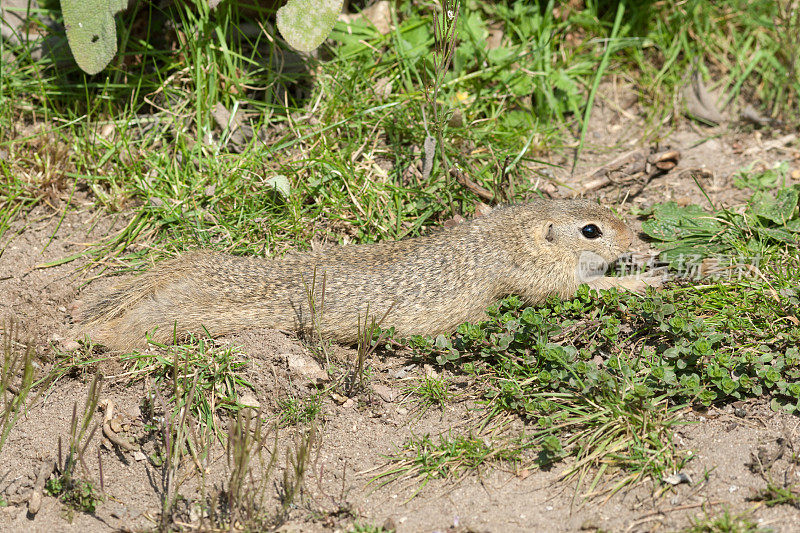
(495, 39)
(380, 16)
(699, 102)
(383, 87)
(482, 209)
(238, 132)
(429, 147)
(751, 114)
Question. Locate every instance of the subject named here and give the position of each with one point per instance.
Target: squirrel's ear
(547, 232)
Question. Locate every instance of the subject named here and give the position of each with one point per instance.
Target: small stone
(386, 393)
(195, 514)
(677, 478)
(139, 456)
(481, 209)
(249, 399)
(304, 366)
(70, 345)
(108, 130)
(383, 87)
(451, 223)
(400, 373)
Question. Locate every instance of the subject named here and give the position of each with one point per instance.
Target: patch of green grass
(697, 345)
(78, 494)
(666, 342)
(451, 456)
(724, 523)
(774, 494)
(16, 378)
(748, 50)
(198, 370)
(297, 411)
(143, 140)
(430, 391)
(769, 226)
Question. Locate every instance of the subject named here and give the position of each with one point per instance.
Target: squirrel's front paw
(640, 282)
(636, 283)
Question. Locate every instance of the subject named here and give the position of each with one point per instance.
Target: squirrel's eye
(591, 231)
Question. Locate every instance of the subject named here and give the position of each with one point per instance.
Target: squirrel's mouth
(590, 267)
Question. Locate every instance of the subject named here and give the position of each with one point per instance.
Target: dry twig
(636, 166)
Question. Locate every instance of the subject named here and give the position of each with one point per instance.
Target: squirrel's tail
(121, 318)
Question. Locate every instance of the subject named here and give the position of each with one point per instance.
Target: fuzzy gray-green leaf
(91, 32)
(306, 23)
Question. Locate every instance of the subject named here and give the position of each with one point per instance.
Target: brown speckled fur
(432, 283)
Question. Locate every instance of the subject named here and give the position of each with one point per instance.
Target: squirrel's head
(581, 233)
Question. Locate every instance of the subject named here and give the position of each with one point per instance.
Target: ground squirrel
(428, 285)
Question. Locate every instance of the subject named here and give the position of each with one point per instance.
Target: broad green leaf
(766, 179)
(501, 54)
(91, 31)
(778, 208)
(777, 234)
(670, 222)
(306, 23)
(352, 33)
(475, 29)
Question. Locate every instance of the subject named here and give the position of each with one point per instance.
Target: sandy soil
(357, 434)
